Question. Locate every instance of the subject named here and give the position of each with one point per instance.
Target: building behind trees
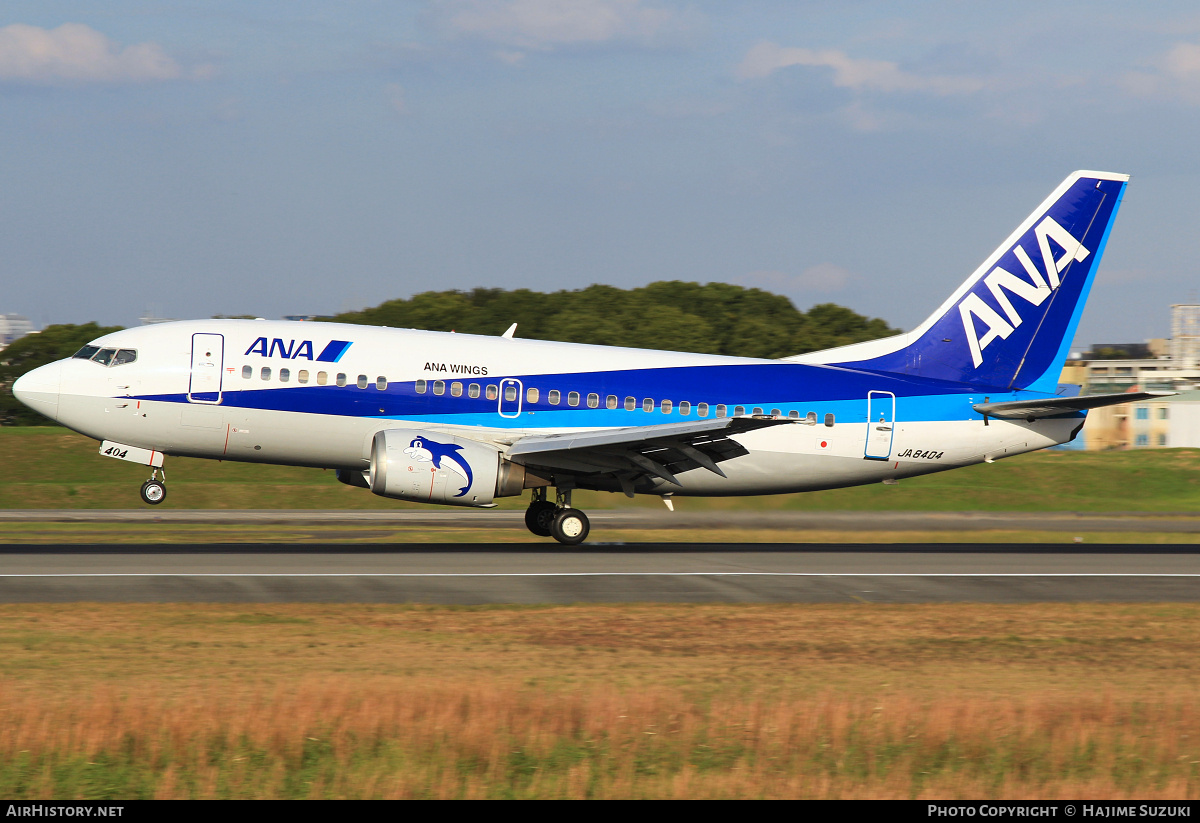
(13, 327)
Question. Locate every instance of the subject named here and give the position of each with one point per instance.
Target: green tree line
(713, 318)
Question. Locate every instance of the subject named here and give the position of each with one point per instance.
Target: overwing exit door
(510, 397)
(881, 421)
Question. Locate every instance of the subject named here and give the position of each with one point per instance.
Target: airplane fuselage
(259, 391)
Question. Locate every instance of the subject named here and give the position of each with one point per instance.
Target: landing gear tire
(539, 516)
(570, 527)
(154, 492)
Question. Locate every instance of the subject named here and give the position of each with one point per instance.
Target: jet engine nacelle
(433, 467)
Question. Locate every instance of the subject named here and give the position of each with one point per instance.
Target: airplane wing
(1054, 406)
(637, 452)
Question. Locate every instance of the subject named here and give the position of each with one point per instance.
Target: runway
(892, 521)
(537, 573)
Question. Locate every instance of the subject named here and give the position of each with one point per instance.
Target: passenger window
(104, 356)
(322, 378)
(265, 374)
(630, 403)
(456, 389)
(593, 400)
(758, 409)
(362, 381)
(811, 418)
(421, 386)
(302, 375)
(554, 397)
(492, 392)
(380, 383)
(666, 407)
(473, 390)
(648, 405)
(611, 401)
(573, 399)
(124, 356)
(439, 387)
(247, 372)
(721, 410)
(794, 415)
(702, 410)
(685, 407)
(776, 412)
(86, 353)
(531, 396)
(341, 379)
(285, 375)
(829, 420)
(738, 411)
(510, 392)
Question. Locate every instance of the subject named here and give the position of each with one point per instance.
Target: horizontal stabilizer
(1055, 406)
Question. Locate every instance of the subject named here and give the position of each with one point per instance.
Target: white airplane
(464, 419)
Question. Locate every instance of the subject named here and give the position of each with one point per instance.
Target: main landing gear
(154, 491)
(558, 520)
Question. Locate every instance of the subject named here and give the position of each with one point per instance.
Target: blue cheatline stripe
(334, 351)
(788, 387)
(400, 402)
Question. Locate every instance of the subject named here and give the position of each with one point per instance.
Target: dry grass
(338, 737)
(935, 701)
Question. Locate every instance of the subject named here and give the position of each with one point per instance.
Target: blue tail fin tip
(1010, 324)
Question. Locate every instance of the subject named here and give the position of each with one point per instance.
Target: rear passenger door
(881, 420)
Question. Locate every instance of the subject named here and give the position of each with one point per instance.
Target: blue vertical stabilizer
(1010, 324)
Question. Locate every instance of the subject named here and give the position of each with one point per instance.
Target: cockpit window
(106, 357)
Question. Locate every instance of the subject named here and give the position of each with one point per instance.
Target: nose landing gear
(154, 491)
(558, 520)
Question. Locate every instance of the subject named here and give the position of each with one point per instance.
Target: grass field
(936, 701)
(63, 470)
(940, 701)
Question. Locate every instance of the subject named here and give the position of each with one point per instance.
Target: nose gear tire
(154, 492)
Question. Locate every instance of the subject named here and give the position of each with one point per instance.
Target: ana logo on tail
(1034, 291)
(442, 456)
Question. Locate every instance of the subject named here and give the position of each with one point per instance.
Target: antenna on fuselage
(511, 331)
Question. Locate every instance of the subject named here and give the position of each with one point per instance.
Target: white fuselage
(315, 394)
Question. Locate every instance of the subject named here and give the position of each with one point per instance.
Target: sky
(272, 158)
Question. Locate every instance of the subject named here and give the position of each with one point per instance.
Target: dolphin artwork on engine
(443, 456)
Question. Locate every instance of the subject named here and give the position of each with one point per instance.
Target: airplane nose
(39, 389)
